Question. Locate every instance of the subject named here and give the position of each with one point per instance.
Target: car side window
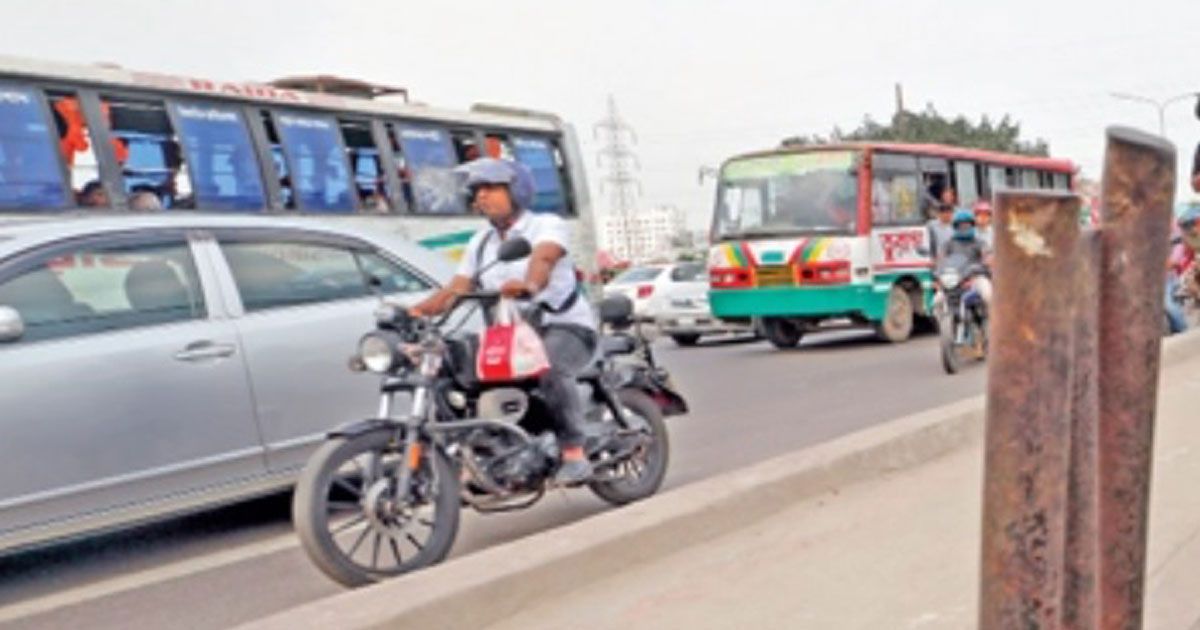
(392, 277)
(99, 289)
(281, 273)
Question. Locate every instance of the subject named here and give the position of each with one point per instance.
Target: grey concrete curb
(481, 588)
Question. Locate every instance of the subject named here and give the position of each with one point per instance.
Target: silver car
(154, 365)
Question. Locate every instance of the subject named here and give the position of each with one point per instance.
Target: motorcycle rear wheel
(645, 471)
(342, 497)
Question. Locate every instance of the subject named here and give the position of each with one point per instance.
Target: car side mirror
(12, 327)
(514, 249)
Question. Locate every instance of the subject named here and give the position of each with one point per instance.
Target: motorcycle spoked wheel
(642, 474)
(348, 523)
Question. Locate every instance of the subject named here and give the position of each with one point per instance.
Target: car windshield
(638, 274)
(791, 193)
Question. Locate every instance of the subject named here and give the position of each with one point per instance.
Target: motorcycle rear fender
(669, 401)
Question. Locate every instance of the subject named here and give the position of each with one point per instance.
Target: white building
(643, 236)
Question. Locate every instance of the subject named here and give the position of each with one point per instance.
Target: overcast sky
(698, 81)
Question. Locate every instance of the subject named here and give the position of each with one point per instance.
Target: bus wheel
(784, 334)
(897, 324)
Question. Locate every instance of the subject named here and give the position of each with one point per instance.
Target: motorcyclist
(964, 243)
(1183, 255)
(503, 191)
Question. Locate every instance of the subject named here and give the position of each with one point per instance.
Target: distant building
(650, 235)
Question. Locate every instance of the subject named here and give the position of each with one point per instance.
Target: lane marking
(149, 577)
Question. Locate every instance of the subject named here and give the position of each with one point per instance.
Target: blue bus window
(429, 161)
(155, 173)
(365, 162)
(539, 155)
(30, 174)
(225, 174)
(319, 176)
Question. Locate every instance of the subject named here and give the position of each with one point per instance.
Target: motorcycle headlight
(379, 352)
(949, 279)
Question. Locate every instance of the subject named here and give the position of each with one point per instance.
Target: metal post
(1138, 191)
(1028, 411)
(1081, 596)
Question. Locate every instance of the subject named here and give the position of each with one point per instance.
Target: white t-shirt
(537, 229)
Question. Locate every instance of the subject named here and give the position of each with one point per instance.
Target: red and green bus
(808, 237)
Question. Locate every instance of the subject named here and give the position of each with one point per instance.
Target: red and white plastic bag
(510, 349)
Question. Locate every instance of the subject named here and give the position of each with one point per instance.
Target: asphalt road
(750, 402)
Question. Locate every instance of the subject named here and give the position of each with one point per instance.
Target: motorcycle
(382, 496)
(961, 313)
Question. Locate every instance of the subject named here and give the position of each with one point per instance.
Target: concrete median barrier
(496, 583)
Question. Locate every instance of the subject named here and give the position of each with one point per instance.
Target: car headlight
(379, 352)
(949, 279)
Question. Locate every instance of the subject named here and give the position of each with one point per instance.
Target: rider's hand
(517, 289)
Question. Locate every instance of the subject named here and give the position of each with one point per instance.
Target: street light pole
(1161, 106)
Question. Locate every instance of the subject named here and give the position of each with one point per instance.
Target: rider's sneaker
(573, 472)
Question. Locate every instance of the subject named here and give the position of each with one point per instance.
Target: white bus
(104, 139)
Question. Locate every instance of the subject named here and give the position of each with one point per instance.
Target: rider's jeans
(983, 286)
(1174, 312)
(570, 350)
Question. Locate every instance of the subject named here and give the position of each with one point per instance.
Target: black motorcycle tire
(621, 491)
(309, 510)
(950, 356)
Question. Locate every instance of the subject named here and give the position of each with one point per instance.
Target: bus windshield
(787, 194)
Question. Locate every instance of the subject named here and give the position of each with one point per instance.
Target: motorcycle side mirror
(514, 249)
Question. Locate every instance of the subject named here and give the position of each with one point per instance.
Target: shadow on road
(145, 541)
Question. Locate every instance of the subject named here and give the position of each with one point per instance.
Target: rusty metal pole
(1136, 199)
(1081, 595)
(1028, 411)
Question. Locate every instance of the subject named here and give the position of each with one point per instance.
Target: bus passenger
(983, 226)
(145, 200)
(93, 195)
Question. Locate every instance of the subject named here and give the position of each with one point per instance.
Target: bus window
(75, 144)
(997, 179)
(225, 173)
(1029, 179)
(280, 170)
(895, 190)
(156, 176)
(1012, 178)
(429, 158)
(965, 183)
(30, 174)
(366, 165)
(544, 161)
(1062, 181)
(317, 170)
(466, 145)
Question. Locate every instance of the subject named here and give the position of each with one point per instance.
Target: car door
(304, 305)
(124, 391)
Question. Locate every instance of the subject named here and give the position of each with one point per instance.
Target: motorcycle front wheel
(347, 517)
(951, 361)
